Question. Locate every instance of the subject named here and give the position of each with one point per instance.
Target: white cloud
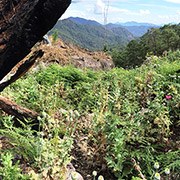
(99, 7)
(114, 10)
(73, 13)
(124, 10)
(173, 1)
(163, 17)
(142, 12)
(169, 18)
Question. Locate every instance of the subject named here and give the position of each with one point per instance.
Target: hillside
(69, 54)
(124, 124)
(65, 54)
(136, 28)
(90, 36)
(157, 41)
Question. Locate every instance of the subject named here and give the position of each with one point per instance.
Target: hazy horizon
(122, 22)
(142, 11)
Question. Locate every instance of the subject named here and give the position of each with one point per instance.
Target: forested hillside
(137, 29)
(91, 36)
(157, 41)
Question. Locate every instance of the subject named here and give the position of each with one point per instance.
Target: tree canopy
(155, 42)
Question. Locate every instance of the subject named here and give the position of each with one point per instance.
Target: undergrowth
(135, 117)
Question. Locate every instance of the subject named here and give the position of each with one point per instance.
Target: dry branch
(137, 167)
(22, 24)
(16, 110)
(22, 69)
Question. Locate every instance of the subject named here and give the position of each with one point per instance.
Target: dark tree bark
(22, 24)
(16, 110)
(22, 69)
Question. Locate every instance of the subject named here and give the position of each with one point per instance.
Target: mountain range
(136, 28)
(93, 35)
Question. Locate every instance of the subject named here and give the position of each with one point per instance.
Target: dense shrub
(136, 112)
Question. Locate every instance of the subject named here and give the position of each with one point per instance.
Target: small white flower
(74, 175)
(100, 177)
(44, 114)
(94, 173)
(50, 136)
(51, 121)
(157, 176)
(70, 112)
(40, 133)
(38, 118)
(156, 165)
(167, 171)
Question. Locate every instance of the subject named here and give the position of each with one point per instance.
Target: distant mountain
(137, 29)
(91, 34)
(134, 23)
(82, 21)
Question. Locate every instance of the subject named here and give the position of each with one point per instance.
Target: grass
(135, 116)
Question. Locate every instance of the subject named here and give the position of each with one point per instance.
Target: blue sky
(151, 11)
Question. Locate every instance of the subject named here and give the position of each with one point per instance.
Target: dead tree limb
(22, 24)
(16, 110)
(22, 69)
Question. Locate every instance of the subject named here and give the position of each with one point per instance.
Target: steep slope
(66, 54)
(90, 36)
(135, 28)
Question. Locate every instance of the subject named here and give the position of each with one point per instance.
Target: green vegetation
(10, 171)
(45, 151)
(135, 118)
(155, 42)
(54, 36)
(91, 36)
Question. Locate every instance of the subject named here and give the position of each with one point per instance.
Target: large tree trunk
(22, 24)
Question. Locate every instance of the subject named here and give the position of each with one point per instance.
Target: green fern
(10, 171)
(23, 142)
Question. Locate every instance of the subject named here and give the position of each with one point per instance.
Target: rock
(76, 56)
(22, 24)
(71, 169)
(91, 63)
